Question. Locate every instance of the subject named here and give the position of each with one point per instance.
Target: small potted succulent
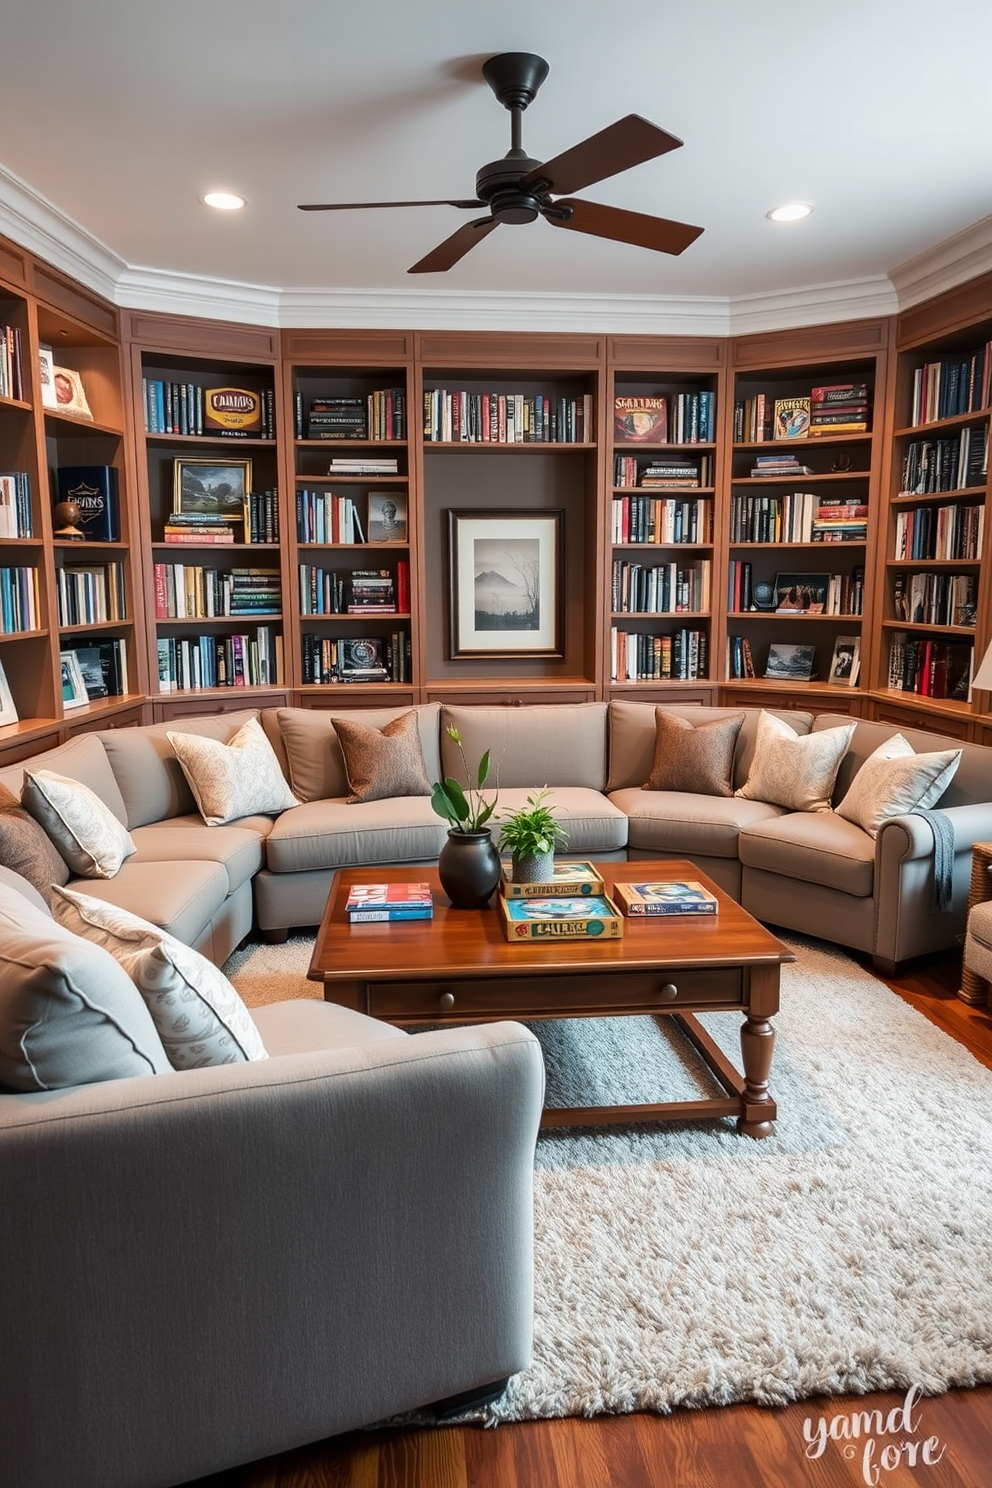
(532, 834)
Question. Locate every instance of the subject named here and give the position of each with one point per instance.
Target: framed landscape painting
(506, 583)
(214, 488)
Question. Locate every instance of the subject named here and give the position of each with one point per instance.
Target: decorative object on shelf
(801, 593)
(532, 835)
(791, 420)
(506, 583)
(66, 520)
(468, 864)
(70, 395)
(8, 712)
(790, 663)
(46, 368)
(232, 412)
(846, 663)
(94, 490)
(640, 420)
(387, 517)
(212, 487)
(74, 694)
(763, 596)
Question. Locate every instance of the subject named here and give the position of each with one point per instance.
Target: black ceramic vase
(468, 867)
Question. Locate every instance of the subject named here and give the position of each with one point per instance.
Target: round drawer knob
(669, 992)
(447, 999)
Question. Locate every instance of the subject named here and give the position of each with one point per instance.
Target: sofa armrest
(906, 925)
(205, 1268)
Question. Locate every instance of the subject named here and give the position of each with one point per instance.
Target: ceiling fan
(518, 189)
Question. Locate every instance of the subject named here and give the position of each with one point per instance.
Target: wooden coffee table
(459, 968)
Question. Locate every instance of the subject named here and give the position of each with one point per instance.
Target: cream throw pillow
(199, 1016)
(235, 779)
(793, 770)
(895, 780)
(385, 762)
(86, 832)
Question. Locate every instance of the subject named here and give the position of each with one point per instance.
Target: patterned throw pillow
(240, 778)
(694, 757)
(199, 1016)
(383, 763)
(894, 780)
(797, 771)
(86, 832)
(27, 849)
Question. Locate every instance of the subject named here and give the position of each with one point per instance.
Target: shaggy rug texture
(683, 1265)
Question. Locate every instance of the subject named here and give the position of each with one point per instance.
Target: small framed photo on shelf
(387, 517)
(46, 367)
(789, 663)
(215, 488)
(74, 693)
(801, 593)
(8, 712)
(70, 395)
(846, 663)
(506, 583)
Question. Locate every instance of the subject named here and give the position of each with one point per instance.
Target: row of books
(357, 659)
(189, 591)
(90, 594)
(683, 418)
(11, 383)
(843, 594)
(828, 409)
(938, 669)
(661, 519)
(20, 602)
(952, 464)
(325, 517)
(661, 589)
(642, 656)
(15, 505)
(462, 417)
(102, 663)
(953, 385)
(259, 523)
(951, 531)
(928, 598)
(219, 412)
(379, 415)
(799, 517)
(358, 592)
(631, 470)
(249, 659)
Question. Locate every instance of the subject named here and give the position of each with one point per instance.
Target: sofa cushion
(696, 757)
(554, 744)
(181, 897)
(687, 824)
(68, 1014)
(814, 848)
(632, 735)
(232, 780)
(26, 848)
(593, 823)
(306, 1024)
(186, 839)
(895, 780)
(85, 831)
(315, 763)
(334, 834)
(385, 762)
(792, 770)
(200, 1018)
(150, 780)
(81, 758)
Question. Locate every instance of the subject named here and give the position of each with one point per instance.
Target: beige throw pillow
(86, 832)
(382, 763)
(793, 770)
(894, 780)
(199, 1016)
(27, 849)
(694, 757)
(240, 778)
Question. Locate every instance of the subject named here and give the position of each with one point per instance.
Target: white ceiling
(118, 113)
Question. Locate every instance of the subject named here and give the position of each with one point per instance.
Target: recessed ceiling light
(224, 201)
(790, 212)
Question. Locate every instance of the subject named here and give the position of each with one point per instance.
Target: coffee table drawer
(556, 996)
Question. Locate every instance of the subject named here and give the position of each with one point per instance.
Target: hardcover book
(231, 412)
(640, 420)
(94, 490)
(557, 919)
(791, 418)
(395, 901)
(577, 879)
(689, 898)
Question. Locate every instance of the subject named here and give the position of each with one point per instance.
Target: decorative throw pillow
(26, 847)
(695, 757)
(383, 762)
(235, 779)
(86, 832)
(894, 780)
(200, 1018)
(793, 770)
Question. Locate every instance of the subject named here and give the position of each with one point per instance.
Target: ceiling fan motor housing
(498, 185)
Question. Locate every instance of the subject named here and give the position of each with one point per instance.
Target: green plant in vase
(533, 834)
(468, 863)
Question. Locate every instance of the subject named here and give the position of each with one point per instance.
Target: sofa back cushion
(151, 781)
(971, 782)
(553, 744)
(82, 758)
(314, 761)
(632, 736)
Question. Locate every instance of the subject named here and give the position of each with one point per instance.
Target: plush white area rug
(685, 1265)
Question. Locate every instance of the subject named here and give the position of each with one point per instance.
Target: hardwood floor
(945, 1446)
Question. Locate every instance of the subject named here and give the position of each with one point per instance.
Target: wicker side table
(975, 989)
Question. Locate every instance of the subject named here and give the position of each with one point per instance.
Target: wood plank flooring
(733, 1447)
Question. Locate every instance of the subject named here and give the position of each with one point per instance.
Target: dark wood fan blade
(366, 206)
(628, 142)
(452, 249)
(658, 233)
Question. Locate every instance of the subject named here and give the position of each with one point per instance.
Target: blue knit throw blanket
(943, 858)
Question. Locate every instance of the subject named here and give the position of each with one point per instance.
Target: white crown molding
(821, 304)
(30, 219)
(964, 256)
(172, 293)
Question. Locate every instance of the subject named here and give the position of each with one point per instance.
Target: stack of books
(364, 465)
(778, 464)
(840, 521)
(571, 905)
(841, 408)
(337, 418)
(395, 901)
(198, 528)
